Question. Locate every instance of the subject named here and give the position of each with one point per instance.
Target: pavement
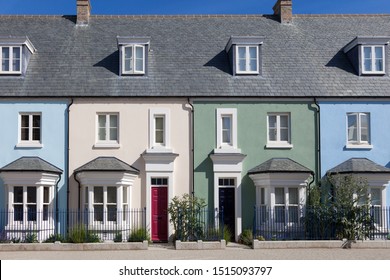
(233, 251)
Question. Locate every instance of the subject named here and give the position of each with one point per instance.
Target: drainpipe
(57, 210)
(192, 146)
(318, 135)
(67, 162)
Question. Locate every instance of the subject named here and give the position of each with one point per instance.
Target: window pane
(159, 123)
(279, 195)
(226, 129)
(98, 195)
(242, 65)
(352, 127)
(18, 213)
(36, 121)
(280, 212)
(128, 59)
(284, 134)
(45, 212)
(98, 213)
(293, 214)
(46, 193)
(226, 122)
(111, 194)
(111, 213)
(293, 195)
(113, 134)
(364, 127)
(124, 198)
(283, 121)
(262, 196)
(378, 52)
(376, 197)
(139, 61)
(379, 65)
(272, 131)
(18, 194)
(5, 59)
(113, 120)
(31, 213)
(367, 59)
(102, 127)
(31, 195)
(24, 134)
(25, 119)
(159, 137)
(241, 53)
(16, 59)
(378, 59)
(36, 134)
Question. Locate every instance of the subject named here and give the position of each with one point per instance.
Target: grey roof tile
(31, 164)
(187, 57)
(280, 165)
(358, 165)
(107, 164)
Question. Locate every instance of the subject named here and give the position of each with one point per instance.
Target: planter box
(200, 245)
(74, 247)
(318, 244)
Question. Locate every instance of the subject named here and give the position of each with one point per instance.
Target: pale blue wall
(54, 137)
(334, 135)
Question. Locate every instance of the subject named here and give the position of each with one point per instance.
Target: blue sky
(168, 7)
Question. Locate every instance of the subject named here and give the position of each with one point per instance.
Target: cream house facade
(152, 136)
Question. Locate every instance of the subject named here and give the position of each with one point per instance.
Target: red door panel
(159, 213)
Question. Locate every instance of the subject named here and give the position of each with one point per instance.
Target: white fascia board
(280, 179)
(18, 41)
(29, 178)
(244, 40)
(366, 40)
(133, 40)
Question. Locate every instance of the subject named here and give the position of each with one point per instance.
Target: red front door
(159, 213)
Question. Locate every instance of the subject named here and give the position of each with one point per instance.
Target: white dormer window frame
(159, 130)
(226, 133)
(371, 60)
(11, 63)
(246, 55)
(133, 59)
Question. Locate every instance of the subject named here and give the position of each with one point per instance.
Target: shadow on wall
(206, 168)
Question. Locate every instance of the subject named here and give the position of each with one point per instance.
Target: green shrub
(227, 234)
(246, 237)
(79, 234)
(139, 235)
(31, 238)
(261, 238)
(118, 237)
(55, 237)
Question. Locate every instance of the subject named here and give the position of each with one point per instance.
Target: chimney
(283, 9)
(83, 12)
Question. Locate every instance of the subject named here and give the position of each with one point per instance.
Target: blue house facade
(33, 166)
(355, 139)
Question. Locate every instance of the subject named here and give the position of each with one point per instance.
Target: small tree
(185, 215)
(350, 203)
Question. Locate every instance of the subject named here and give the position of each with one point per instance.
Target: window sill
(159, 150)
(28, 145)
(227, 150)
(359, 146)
(279, 146)
(106, 146)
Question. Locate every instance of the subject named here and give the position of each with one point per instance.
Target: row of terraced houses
(111, 113)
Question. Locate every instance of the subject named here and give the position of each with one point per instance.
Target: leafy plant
(261, 238)
(55, 237)
(227, 234)
(31, 238)
(138, 235)
(79, 234)
(185, 213)
(118, 237)
(246, 237)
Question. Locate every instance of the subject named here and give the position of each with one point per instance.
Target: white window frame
(359, 143)
(107, 143)
(278, 143)
(11, 58)
(373, 59)
(133, 61)
(222, 146)
(247, 59)
(30, 143)
(155, 146)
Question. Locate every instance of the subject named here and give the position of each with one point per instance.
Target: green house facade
(253, 152)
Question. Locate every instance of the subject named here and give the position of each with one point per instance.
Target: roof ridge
(338, 15)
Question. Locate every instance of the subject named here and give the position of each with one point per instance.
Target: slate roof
(280, 165)
(188, 59)
(31, 164)
(358, 165)
(107, 164)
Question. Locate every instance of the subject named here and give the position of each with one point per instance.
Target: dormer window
(133, 53)
(11, 60)
(247, 61)
(373, 59)
(15, 53)
(368, 55)
(245, 54)
(133, 59)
